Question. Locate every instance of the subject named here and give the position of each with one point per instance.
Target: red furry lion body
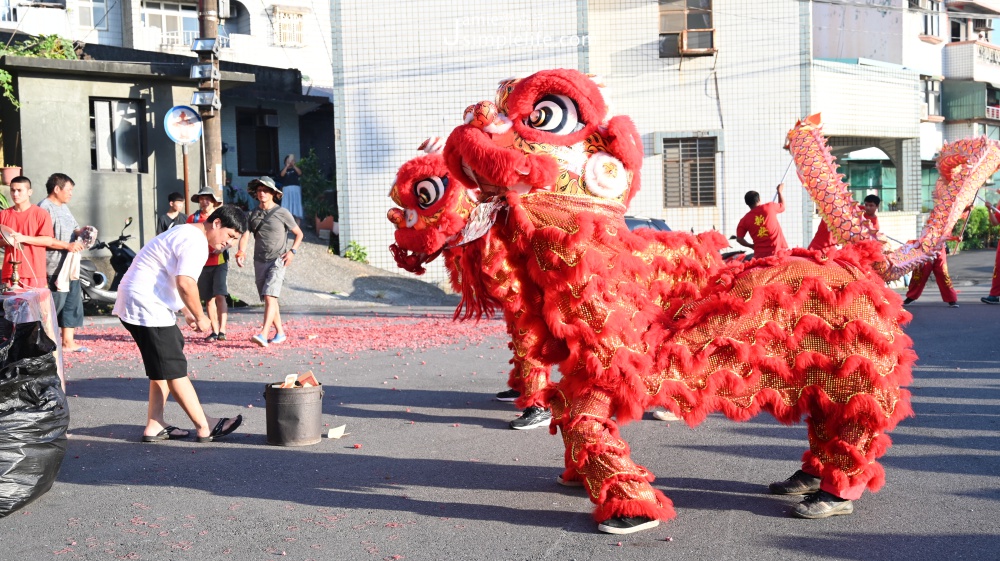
(638, 321)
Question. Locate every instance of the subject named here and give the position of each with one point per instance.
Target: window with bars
(686, 28)
(287, 28)
(689, 172)
(118, 136)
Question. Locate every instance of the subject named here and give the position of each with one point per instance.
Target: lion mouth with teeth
(433, 210)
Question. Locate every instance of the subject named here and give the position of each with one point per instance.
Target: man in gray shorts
(69, 303)
(270, 225)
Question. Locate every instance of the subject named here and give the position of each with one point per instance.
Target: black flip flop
(166, 434)
(218, 432)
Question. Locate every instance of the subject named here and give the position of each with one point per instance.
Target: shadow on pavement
(333, 476)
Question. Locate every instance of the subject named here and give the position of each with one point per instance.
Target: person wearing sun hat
(213, 284)
(270, 225)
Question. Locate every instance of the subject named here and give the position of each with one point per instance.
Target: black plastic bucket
(294, 415)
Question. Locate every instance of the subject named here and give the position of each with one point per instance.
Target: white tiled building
(405, 70)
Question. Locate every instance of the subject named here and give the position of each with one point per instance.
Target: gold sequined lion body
(796, 335)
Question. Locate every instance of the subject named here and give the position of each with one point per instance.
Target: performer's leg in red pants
(943, 280)
(918, 281)
(597, 455)
(995, 287)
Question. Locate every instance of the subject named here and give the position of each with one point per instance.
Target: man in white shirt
(161, 281)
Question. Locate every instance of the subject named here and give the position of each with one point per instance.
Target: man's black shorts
(162, 350)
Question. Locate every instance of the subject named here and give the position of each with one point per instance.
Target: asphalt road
(439, 476)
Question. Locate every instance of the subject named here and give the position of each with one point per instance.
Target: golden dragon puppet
(963, 167)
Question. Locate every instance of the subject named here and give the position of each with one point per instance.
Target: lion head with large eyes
(433, 209)
(547, 132)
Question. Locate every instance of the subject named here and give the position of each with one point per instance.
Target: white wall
(854, 30)
(859, 100)
(406, 69)
(313, 58)
(750, 91)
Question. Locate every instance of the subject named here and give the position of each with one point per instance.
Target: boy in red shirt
(823, 240)
(213, 282)
(871, 205)
(762, 225)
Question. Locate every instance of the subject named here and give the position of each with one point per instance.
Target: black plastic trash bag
(34, 415)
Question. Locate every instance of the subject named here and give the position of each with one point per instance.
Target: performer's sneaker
(508, 395)
(627, 524)
(822, 505)
(908, 301)
(665, 415)
(532, 418)
(800, 483)
(952, 304)
(569, 482)
(990, 300)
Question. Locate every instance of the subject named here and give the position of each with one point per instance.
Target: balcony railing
(185, 38)
(993, 112)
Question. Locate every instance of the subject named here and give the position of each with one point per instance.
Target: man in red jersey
(762, 225)
(33, 233)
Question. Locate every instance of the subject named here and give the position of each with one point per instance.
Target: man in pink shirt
(762, 225)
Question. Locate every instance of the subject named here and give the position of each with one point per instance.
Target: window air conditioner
(271, 121)
(923, 111)
(693, 41)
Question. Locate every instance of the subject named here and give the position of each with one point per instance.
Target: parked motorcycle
(96, 289)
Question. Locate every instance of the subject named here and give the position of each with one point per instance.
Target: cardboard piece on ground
(336, 432)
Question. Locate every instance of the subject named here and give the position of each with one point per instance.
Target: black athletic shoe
(508, 395)
(990, 300)
(627, 524)
(800, 483)
(952, 304)
(908, 301)
(532, 418)
(822, 505)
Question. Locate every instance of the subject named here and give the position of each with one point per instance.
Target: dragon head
(433, 208)
(547, 132)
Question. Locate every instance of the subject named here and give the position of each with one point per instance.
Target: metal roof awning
(111, 69)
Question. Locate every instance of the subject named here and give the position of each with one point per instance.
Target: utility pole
(208, 17)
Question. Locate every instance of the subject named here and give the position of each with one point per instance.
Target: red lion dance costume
(636, 321)
(433, 219)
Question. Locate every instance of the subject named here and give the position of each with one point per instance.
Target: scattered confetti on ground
(337, 335)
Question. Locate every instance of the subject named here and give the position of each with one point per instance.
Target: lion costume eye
(430, 190)
(556, 114)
